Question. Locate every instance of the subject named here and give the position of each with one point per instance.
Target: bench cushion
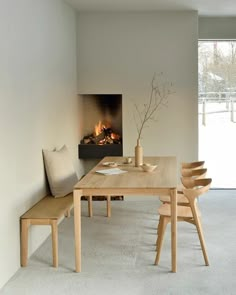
(49, 207)
(60, 172)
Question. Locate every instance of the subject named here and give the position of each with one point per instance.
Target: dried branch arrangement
(160, 91)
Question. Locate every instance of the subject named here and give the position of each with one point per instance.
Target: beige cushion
(60, 172)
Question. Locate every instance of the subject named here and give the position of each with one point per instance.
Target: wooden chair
(192, 165)
(184, 213)
(194, 174)
(189, 166)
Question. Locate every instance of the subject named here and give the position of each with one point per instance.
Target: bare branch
(160, 91)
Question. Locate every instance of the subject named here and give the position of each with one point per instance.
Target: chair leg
(200, 233)
(159, 227)
(90, 206)
(54, 242)
(24, 241)
(108, 206)
(164, 221)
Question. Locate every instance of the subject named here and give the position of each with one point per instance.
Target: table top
(164, 176)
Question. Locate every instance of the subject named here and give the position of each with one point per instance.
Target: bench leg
(90, 206)
(24, 241)
(54, 242)
(108, 206)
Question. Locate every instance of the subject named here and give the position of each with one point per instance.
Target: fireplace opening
(102, 134)
(101, 126)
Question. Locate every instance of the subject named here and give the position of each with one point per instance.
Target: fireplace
(101, 126)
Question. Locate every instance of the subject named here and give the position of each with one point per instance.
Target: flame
(98, 128)
(108, 137)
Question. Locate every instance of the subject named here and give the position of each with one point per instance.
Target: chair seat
(182, 211)
(181, 199)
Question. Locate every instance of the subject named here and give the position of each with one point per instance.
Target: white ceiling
(204, 7)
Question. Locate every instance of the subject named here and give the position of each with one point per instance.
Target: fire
(102, 134)
(115, 136)
(98, 128)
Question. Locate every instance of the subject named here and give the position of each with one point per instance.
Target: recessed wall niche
(101, 126)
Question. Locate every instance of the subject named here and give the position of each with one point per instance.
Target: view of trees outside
(217, 118)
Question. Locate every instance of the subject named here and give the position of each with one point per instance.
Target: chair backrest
(193, 165)
(195, 173)
(195, 187)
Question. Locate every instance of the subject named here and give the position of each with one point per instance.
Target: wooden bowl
(148, 167)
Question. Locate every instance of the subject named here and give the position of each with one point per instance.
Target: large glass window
(217, 118)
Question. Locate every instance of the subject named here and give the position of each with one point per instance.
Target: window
(217, 118)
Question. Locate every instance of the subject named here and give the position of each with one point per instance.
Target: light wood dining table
(162, 181)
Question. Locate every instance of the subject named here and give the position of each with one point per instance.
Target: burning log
(99, 137)
(109, 140)
(86, 140)
(102, 135)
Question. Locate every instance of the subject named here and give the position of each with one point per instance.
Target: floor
(118, 254)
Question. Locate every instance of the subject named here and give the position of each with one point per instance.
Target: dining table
(130, 181)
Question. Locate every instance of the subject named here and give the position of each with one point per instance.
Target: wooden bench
(46, 212)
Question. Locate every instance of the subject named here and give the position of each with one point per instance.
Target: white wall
(217, 28)
(38, 109)
(119, 52)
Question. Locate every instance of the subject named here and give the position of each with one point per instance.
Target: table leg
(77, 194)
(173, 195)
(108, 206)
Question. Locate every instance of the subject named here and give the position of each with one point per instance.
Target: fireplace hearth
(102, 126)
